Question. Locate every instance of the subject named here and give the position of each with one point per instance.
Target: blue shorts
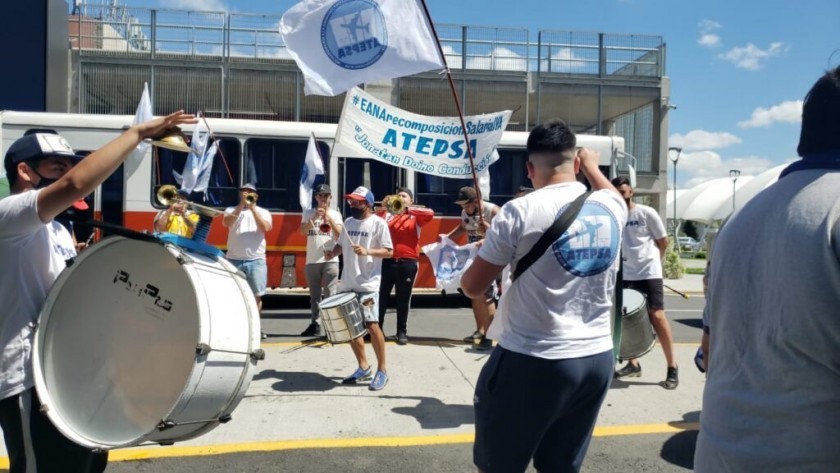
(256, 273)
(534, 407)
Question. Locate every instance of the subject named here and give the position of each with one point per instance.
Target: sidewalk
(690, 284)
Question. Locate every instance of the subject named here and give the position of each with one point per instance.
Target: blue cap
(361, 193)
(40, 145)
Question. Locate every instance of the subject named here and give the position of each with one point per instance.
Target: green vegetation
(695, 270)
(674, 268)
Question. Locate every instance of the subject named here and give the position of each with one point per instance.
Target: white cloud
(709, 40)
(707, 37)
(696, 140)
(500, 59)
(703, 166)
(751, 57)
(789, 111)
(197, 5)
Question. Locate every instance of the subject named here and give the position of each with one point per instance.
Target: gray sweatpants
(322, 279)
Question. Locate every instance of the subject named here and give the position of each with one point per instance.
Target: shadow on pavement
(695, 323)
(295, 381)
(431, 413)
(679, 449)
(618, 383)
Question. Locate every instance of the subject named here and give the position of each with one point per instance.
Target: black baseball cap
(465, 195)
(38, 146)
(323, 189)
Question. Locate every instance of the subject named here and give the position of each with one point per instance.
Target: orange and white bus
(270, 154)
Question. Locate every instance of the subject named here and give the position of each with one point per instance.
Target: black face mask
(45, 181)
(357, 213)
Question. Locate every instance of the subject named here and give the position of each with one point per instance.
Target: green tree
(674, 268)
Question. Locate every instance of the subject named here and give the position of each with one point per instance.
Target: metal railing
(218, 36)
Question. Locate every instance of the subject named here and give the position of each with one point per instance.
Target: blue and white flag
(312, 166)
(143, 114)
(341, 43)
(200, 160)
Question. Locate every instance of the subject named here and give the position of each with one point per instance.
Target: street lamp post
(674, 154)
(733, 174)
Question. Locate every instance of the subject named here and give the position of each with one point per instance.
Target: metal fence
(235, 65)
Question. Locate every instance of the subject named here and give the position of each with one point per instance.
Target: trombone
(167, 194)
(394, 204)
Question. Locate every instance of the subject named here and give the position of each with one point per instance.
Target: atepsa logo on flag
(353, 33)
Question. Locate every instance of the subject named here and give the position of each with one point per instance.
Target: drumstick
(684, 295)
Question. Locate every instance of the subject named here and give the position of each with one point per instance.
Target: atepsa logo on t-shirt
(353, 33)
(590, 244)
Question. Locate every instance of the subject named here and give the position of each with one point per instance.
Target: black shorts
(651, 289)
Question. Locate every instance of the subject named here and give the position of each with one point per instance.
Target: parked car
(689, 244)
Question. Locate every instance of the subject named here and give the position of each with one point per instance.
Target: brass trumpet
(250, 198)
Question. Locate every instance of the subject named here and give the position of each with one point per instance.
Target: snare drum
(637, 335)
(342, 317)
(144, 341)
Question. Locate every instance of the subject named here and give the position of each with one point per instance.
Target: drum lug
(165, 425)
(203, 349)
(225, 419)
(44, 408)
(258, 354)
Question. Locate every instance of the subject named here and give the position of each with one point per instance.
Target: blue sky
(738, 69)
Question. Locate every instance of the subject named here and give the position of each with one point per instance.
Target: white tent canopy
(750, 190)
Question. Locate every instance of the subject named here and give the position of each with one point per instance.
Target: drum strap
(551, 235)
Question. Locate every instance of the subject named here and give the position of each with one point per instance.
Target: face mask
(44, 182)
(357, 213)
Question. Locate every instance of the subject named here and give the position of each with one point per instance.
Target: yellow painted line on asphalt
(363, 442)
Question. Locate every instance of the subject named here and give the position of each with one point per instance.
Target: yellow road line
(280, 445)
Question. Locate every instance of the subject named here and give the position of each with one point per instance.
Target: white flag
(484, 179)
(206, 168)
(339, 44)
(312, 166)
(143, 114)
(196, 161)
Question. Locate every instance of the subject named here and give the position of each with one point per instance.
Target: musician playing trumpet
(400, 271)
(247, 224)
(322, 227)
(177, 218)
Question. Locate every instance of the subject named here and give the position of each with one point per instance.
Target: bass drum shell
(341, 316)
(637, 335)
(117, 357)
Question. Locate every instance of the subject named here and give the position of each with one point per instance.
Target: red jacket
(405, 230)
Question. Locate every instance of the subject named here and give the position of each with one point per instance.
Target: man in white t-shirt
(643, 249)
(539, 394)
(247, 225)
(364, 244)
(322, 226)
(44, 181)
(475, 227)
(771, 402)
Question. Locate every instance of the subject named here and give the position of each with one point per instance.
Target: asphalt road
(436, 319)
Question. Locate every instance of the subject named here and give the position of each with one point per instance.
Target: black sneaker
(476, 336)
(402, 339)
(629, 371)
(484, 344)
(314, 330)
(672, 380)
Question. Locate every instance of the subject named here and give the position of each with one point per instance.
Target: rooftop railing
(107, 30)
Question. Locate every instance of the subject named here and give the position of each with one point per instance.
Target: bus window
(439, 193)
(381, 178)
(274, 167)
(508, 174)
(224, 176)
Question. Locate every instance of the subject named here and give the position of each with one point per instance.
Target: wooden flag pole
(460, 114)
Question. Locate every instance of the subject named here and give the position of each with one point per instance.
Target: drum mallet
(684, 295)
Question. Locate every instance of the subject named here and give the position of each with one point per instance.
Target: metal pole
(676, 226)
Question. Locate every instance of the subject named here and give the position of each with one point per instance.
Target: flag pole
(460, 112)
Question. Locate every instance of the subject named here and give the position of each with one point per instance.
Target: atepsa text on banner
(431, 145)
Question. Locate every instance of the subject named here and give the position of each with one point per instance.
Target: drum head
(633, 300)
(116, 342)
(337, 300)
